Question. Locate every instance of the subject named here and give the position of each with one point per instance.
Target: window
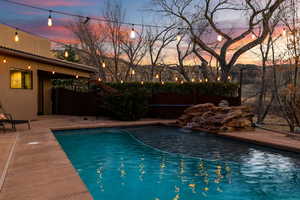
(20, 79)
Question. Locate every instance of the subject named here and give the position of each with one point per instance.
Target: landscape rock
(211, 118)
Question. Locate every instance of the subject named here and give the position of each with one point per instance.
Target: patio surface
(43, 171)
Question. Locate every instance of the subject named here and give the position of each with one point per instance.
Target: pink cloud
(54, 3)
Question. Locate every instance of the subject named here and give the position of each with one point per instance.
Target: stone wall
(211, 118)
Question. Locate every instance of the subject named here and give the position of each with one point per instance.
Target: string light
(122, 81)
(99, 79)
(66, 54)
(220, 38)
(17, 39)
(77, 76)
(157, 76)
(133, 72)
(219, 78)
(193, 80)
(200, 81)
(162, 82)
(206, 80)
(176, 79)
(284, 32)
(103, 65)
(53, 72)
(132, 34)
(142, 82)
(181, 82)
(229, 78)
(29, 67)
(50, 19)
(4, 61)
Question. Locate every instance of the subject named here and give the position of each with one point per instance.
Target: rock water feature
(210, 118)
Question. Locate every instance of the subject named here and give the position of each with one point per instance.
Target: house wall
(27, 43)
(23, 103)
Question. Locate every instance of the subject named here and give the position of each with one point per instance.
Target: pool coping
(74, 189)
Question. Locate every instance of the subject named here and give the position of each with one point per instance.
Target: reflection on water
(114, 165)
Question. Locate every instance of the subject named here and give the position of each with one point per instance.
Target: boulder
(211, 118)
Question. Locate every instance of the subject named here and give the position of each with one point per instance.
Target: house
(26, 69)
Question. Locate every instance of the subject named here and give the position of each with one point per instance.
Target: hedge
(208, 89)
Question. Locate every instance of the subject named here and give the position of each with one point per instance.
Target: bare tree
(135, 50)
(255, 12)
(92, 42)
(114, 14)
(157, 41)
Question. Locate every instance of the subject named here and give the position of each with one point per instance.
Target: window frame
(23, 71)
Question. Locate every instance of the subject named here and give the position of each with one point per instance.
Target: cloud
(55, 3)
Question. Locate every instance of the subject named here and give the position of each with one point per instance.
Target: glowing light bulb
(193, 80)
(99, 79)
(122, 81)
(162, 82)
(229, 78)
(29, 67)
(132, 34)
(176, 79)
(219, 78)
(50, 23)
(17, 39)
(133, 72)
(66, 54)
(220, 38)
(4, 61)
(142, 82)
(77, 76)
(103, 65)
(53, 72)
(284, 32)
(181, 82)
(157, 76)
(200, 81)
(206, 80)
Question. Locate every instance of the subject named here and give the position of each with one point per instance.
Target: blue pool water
(165, 163)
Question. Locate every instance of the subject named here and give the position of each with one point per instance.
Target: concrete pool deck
(33, 165)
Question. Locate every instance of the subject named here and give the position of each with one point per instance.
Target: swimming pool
(165, 163)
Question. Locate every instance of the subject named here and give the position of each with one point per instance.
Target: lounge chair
(6, 118)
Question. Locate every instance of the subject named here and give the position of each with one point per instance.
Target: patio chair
(7, 118)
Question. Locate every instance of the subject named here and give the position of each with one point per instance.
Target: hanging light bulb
(284, 32)
(176, 79)
(142, 82)
(200, 81)
(103, 64)
(193, 80)
(66, 54)
(220, 38)
(29, 67)
(53, 72)
(50, 23)
(157, 76)
(132, 34)
(4, 61)
(178, 37)
(206, 80)
(229, 78)
(99, 79)
(181, 82)
(17, 36)
(162, 82)
(133, 72)
(122, 81)
(219, 78)
(77, 76)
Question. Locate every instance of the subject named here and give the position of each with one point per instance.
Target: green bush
(130, 105)
(207, 89)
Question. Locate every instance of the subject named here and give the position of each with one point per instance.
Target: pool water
(166, 163)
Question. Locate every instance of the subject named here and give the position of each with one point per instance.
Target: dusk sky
(35, 21)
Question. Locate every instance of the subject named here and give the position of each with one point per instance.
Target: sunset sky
(35, 21)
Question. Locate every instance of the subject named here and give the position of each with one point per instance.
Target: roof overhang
(45, 60)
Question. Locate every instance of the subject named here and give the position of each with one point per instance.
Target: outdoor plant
(128, 105)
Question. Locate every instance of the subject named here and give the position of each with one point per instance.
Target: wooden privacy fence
(161, 105)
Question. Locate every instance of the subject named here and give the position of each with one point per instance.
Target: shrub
(130, 105)
(208, 89)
